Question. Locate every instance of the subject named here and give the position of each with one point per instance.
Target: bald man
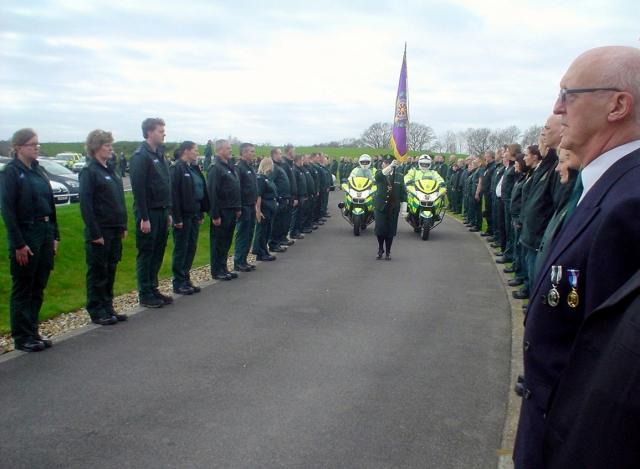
(582, 377)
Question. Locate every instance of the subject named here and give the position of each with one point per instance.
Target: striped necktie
(575, 197)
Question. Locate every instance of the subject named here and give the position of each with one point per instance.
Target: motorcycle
(357, 207)
(425, 206)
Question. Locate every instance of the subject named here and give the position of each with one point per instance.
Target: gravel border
(128, 303)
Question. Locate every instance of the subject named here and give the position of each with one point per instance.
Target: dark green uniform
(390, 193)
(189, 203)
(307, 225)
(268, 194)
(247, 221)
(208, 154)
(302, 196)
(105, 216)
(29, 214)
(475, 212)
(225, 201)
(487, 195)
(508, 180)
(327, 181)
(282, 219)
(151, 186)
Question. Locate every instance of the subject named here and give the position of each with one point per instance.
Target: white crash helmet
(424, 162)
(364, 161)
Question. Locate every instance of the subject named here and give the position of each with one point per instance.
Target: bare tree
(478, 140)
(504, 136)
(377, 135)
(420, 136)
(530, 136)
(448, 142)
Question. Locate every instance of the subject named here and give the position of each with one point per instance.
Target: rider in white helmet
(364, 168)
(423, 171)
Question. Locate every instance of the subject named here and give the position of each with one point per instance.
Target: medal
(573, 299)
(553, 297)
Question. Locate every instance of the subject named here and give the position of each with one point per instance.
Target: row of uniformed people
(517, 193)
(164, 196)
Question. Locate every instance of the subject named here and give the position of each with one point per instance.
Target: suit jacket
(601, 241)
(594, 417)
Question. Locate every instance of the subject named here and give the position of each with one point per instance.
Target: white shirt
(499, 187)
(594, 170)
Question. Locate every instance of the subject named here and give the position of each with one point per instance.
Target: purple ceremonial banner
(401, 116)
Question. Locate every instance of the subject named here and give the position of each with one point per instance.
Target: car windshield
(64, 157)
(55, 168)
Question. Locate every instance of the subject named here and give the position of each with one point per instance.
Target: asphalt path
(325, 358)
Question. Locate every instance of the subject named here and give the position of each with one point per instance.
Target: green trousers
(244, 234)
(220, 238)
(185, 243)
(263, 229)
(29, 281)
(102, 262)
(151, 248)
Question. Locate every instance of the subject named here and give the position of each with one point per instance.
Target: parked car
(61, 194)
(69, 159)
(56, 172)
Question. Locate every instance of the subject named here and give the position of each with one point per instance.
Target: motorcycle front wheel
(357, 224)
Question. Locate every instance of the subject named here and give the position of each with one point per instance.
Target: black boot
(379, 256)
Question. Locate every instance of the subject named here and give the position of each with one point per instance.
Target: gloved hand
(403, 208)
(389, 169)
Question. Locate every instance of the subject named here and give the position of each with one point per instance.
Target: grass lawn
(66, 289)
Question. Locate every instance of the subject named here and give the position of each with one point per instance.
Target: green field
(66, 289)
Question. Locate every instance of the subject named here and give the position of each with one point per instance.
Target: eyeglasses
(565, 91)
(35, 145)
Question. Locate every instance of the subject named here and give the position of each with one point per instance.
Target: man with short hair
(301, 195)
(538, 202)
(248, 195)
(208, 154)
(484, 191)
(580, 402)
(281, 220)
(225, 208)
(151, 187)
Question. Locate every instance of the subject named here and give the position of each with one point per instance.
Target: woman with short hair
(104, 213)
(29, 213)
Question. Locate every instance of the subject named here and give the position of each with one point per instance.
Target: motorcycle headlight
(433, 197)
(421, 196)
(364, 194)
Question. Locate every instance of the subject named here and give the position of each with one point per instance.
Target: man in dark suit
(595, 408)
(593, 255)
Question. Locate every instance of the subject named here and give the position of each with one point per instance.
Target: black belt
(45, 219)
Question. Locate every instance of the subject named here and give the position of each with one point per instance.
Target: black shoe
(268, 257)
(320, 222)
(121, 317)
(297, 236)
(251, 266)
(327, 215)
(498, 253)
(105, 321)
(521, 294)
(520, 379)
(152, 302)
(379, 256)
(242, 268)
(474, 229)
(183, 290)
(288, 242)
(307, 230)
(232, 274)
(502, 260)
(222, 276)
(490, 239)
(484, 234)
(277, 249)
(194, 288)
(519, 389)
(45, 341)
(515, 282)
(387, 257)
(30, 346)
(508, 270)
(167, 300)
(495, 245)
(314, 227)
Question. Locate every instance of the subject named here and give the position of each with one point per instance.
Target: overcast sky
(294, 71)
